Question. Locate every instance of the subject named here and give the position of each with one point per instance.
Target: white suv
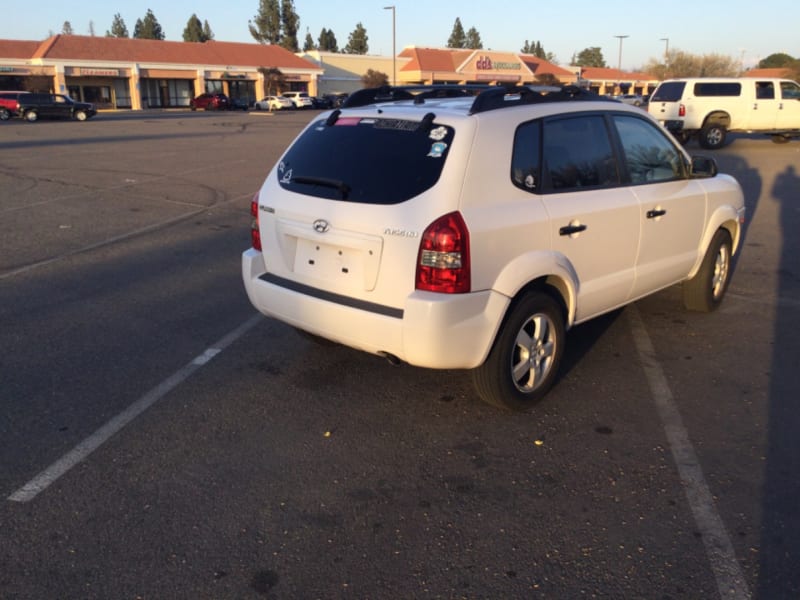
(299, 99)
(711, 107)
(470, 232)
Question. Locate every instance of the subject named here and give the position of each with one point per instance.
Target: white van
(710, 107)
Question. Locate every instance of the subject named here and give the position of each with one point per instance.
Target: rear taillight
(255, 234)
(681, 110)
(443, 263)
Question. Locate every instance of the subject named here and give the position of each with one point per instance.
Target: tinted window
(717, 88)
(576, 153)
(649, 155)
(790, 90)
(765, 90)
(669, 91)
(369, 160)
(525, 161)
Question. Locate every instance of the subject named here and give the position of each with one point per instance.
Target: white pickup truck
(711, 107)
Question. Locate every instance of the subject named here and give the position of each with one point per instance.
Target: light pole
(666, 54)
(619, 62)
(394, 51)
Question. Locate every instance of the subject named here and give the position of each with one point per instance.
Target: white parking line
(719, 549)
(79, 453)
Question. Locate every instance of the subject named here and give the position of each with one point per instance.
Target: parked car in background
(632, 99)
(473, 232)
(32, 107)
(299, 99)
(8, 104)
(210, 102)
(273, 103)
(238, 104)
(321, 102)
(336, 100)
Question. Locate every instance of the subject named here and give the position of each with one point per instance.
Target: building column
(135, 84)
(59, 80)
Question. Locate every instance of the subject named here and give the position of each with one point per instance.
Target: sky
(746, 31)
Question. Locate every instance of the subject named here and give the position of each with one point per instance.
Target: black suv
(53, 106)
(8, 104)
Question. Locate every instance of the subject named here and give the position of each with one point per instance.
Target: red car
(210, 102)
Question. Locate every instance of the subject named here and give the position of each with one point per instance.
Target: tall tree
(536, 49)
(274, 80)
(357, 43)
(148, 28)
(590, 57)
(118, 28)
(684, 64)
(193, 32)
(473, 39)
(290, 23)
(327, 41)
(66, 28)
(266, 25)
(457, 37)
(207, 33)
(308, 44)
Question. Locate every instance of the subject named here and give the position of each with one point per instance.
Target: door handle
(654, 214)
(571, 229)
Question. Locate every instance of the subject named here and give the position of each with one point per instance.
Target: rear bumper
(438, 331)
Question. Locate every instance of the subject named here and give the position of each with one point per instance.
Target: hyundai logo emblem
(321, 226)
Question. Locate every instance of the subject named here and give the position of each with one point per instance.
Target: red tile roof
(539, 66)
(18, 48)
(81, 47)
(777, 73)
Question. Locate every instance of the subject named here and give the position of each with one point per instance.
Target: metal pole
(620, 37)
(666, 55)
(394, 49)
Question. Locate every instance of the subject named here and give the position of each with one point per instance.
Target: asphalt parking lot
(158, 439)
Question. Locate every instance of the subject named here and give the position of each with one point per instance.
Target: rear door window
(367, 160)
(669, 91)
(717, 88)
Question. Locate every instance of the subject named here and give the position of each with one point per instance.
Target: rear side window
(564, 154)
(577, 154)
(669, 91)
(717, 88)
(367, 160)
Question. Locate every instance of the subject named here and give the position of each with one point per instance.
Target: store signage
(485, 63)
(99, 72)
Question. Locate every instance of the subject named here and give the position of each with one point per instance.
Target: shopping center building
(139, 74)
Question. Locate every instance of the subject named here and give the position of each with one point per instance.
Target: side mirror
(704, 166)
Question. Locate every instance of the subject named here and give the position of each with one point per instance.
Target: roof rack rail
(418, 93)
(517, 95)
(487, 97)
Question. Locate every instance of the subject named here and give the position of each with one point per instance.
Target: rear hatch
(345, 208)
(666, 100)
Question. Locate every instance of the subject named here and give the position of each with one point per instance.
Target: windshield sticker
(437, 149)
(286, 176)
(438, 134)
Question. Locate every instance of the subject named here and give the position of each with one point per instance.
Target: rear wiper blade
(336, 184)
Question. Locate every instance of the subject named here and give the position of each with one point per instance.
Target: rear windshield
(669, 91)
(366, 160)
(716, 88)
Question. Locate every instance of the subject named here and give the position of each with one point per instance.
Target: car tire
(705, 290)
(712, 136)
(524, 361)
(192, 107)
(780, 139)
(31, 116)
(4, 114)
(80, 115)
(682, 137)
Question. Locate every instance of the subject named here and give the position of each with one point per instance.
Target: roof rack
(418, 93)
(487, 97)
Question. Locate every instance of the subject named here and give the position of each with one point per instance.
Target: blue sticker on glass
(437, 149)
